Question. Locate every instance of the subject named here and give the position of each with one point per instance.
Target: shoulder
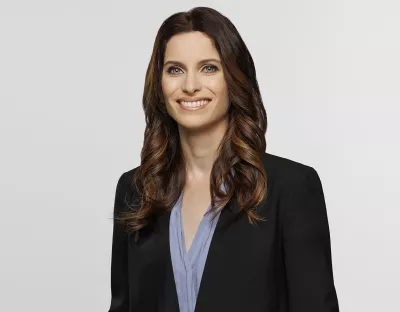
(126, 194)
(125, 180)
(127, 176)
(299, 190)
(286, 172)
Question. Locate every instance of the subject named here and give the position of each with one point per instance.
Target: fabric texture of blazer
(281, 265)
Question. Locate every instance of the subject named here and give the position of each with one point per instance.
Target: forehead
(190, 47)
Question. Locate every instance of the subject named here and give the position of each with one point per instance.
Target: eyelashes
(174, 70)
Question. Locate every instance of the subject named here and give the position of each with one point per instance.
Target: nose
(191, 83)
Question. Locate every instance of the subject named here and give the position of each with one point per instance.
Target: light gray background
(71, 82)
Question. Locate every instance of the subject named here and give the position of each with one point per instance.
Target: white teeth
(194, 104)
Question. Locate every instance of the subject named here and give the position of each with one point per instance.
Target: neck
(200, 149)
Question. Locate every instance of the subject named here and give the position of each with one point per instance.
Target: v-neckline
(213, 260)
(188, 253)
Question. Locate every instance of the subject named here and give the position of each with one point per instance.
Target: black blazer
(283, 264)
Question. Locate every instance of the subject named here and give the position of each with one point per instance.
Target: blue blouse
(188, 266)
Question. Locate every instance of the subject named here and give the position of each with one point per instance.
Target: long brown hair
(160, 178)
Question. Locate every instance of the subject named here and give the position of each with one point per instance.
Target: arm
(119, 256)
(307, 247)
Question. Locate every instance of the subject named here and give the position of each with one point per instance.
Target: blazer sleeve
(119, 255)
(307, 247)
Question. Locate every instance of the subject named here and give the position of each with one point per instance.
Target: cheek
(218, 86)
(169, 86)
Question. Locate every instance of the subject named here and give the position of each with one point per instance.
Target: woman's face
(192, 71)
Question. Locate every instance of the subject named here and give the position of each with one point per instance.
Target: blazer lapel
(169, 299)
(214, 259)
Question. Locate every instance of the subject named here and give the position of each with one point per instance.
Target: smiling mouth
(193, 105)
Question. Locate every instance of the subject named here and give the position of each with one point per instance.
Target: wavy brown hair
(160, 178)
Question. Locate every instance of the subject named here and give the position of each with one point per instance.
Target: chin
(186, 126)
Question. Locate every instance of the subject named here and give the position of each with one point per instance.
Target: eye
(173, 70)
(210, 68)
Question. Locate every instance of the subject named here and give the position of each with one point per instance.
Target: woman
(209, 221)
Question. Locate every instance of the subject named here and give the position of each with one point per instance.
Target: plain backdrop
(71, 122)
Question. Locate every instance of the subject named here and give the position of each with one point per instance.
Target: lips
(186, 108)
(193, 99)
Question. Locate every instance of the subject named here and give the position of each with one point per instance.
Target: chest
(243, 261)
(195, 201)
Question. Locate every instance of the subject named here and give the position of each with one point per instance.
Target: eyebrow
(199, 63)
